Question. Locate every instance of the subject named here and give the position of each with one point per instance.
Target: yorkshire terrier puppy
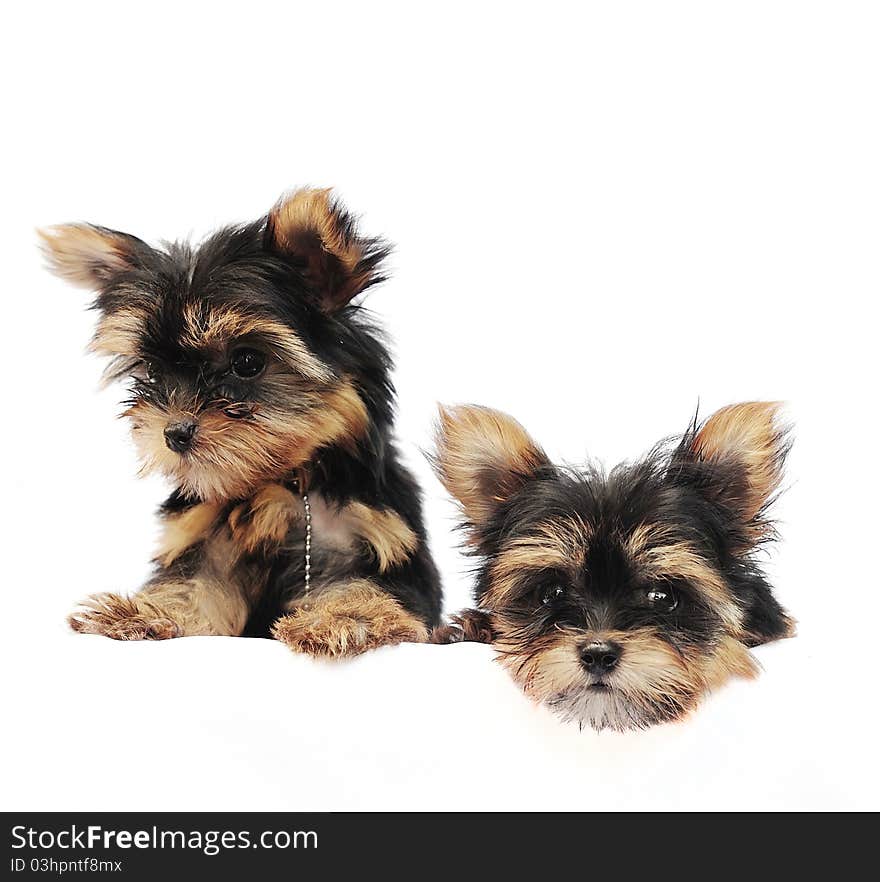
(264, 395)
(618, 599)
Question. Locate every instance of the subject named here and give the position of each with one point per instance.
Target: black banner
(172, 845)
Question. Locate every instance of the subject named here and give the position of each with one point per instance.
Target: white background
(604, 213)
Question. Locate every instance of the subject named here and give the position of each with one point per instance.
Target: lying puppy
(265, 396)
(618, 599)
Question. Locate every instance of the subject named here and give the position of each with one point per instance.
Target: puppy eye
(551, 594)
(147, 371)
(247, 363)
(663, 598)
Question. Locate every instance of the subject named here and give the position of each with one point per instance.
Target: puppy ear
(312, 230)
(483, 458)
(748, 444)
(90, 256)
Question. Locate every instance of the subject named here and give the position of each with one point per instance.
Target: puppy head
(244, 354)
(619, 599)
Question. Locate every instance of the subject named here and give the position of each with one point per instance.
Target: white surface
(604, 212)
(218, 723)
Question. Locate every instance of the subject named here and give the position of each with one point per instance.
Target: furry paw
(123, 618)
(468, 626)
(349, 622)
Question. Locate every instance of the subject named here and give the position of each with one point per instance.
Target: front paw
(467, 626)
(123, 618)
(348, 623)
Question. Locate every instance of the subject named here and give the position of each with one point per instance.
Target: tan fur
(730, 659)
(312, 211)
(341, 419)
(230, 457)
(347, 620)
(656, 556)
(184, 530)
(123, 618)
(750, 433)
(560, 545)
(195, 607)
(82, 254)
(650, 678)
(681, 562)
(343, 528)
(215, 328)
(385, 531)
(483, 457)
(652, 672)
(308, 224)
(648, 668)
(545, 668)
(264, 521)
(118, 334)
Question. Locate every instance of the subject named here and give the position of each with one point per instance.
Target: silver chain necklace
(307, 509)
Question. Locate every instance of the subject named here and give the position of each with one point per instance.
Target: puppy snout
(179, 436)
(600, 658)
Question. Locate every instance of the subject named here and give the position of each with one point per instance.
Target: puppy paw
(468, 626)
(123, 618)
(349, 622)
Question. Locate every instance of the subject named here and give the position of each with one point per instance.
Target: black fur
(665, 488)
(289, 279)
(653, 562)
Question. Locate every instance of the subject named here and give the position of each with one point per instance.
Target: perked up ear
(90, 256)
(749, 442)
(315, 232)
(483, 457)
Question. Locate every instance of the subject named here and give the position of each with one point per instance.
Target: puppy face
(619, 599)
(243, 354)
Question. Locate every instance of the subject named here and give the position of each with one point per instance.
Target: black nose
(178, 436)
(600, 658)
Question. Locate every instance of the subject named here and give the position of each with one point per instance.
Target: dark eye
(662, 597)
(551, 594)
(247, 363)
(148, 372)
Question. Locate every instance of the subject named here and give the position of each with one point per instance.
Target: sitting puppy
(618, 599)
(264, 395)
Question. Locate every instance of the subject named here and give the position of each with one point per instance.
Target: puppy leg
(347, 619)
(124, 618)
(209, 575)
(163, 609)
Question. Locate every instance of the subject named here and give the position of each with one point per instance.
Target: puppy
(618, 599)
(264, 395)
